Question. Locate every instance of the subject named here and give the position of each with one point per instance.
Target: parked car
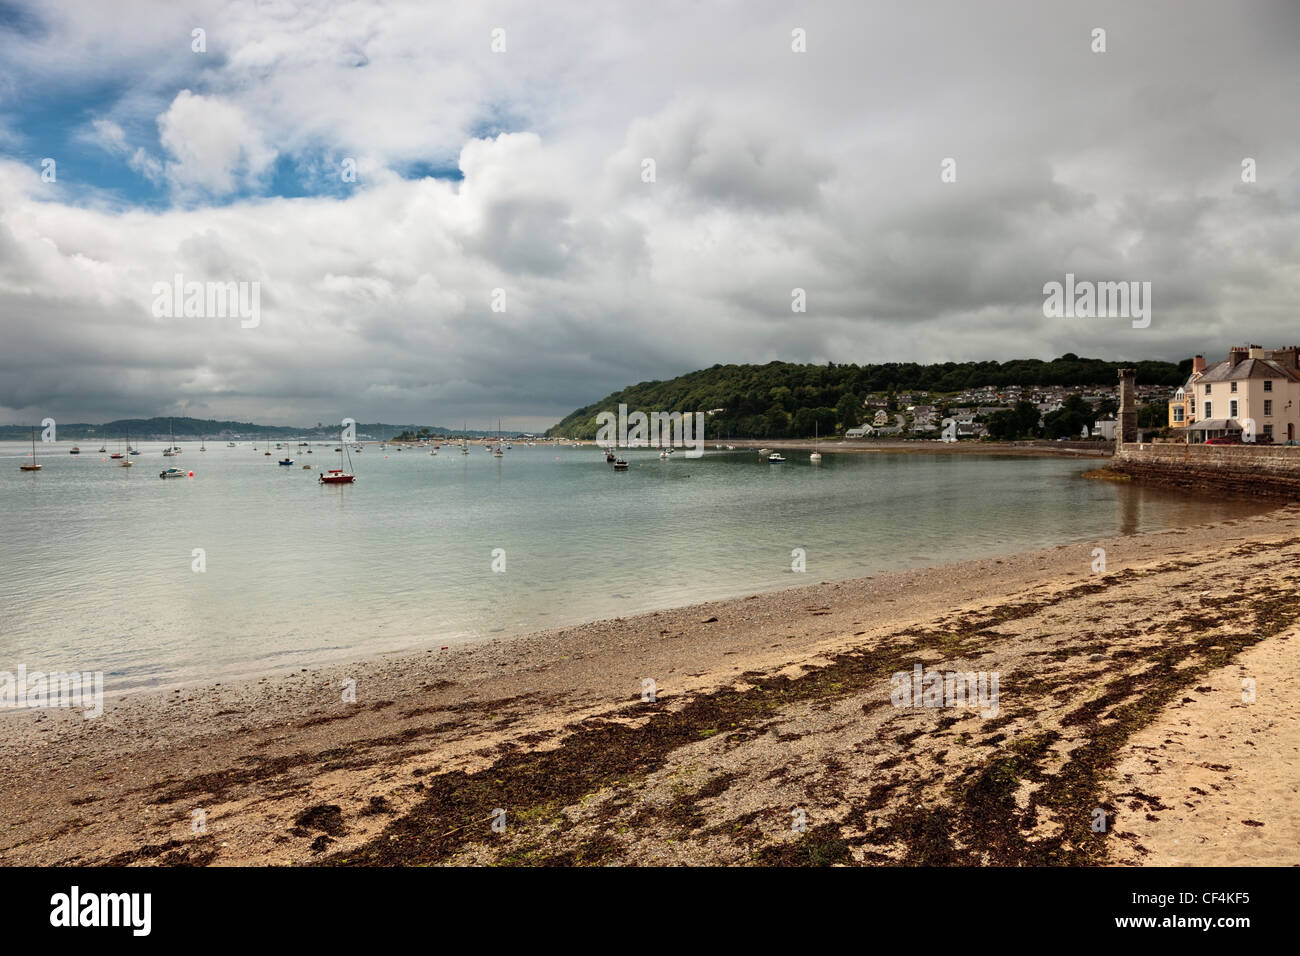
(1224, 440)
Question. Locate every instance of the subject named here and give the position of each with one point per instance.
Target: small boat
(118, 454)
(610, 456)
(74, 450)
(620, 464)
(102, 449)
(171, 473)
(286, 460)
(775, 458)
(32, 465)
(230, 444)
(816, 456)
(126, 463)
(203, 444)
(170, 450)
(337, 476)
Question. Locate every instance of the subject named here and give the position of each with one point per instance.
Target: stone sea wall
(1238, 469)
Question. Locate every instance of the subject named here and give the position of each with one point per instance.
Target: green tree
(848, 410)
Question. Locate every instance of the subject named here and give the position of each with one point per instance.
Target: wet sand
(768, 735)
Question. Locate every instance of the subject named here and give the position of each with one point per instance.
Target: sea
(247, 567)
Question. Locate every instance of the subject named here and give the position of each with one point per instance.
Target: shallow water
(96, 572)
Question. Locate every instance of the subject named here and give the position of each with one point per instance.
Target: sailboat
(126, 462)
(203, 444)
(816, 456)
(337, 476)
(170, 450)
(32, 465)
(118, 454)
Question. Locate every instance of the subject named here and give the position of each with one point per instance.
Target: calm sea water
(96, 568)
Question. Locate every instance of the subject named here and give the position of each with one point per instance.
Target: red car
(1225, 440)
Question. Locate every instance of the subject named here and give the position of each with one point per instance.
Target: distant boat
(74, 450)
(170, 450)
(775, 458)
(620, 464)
(32, 465)
(102, 449)
(816, 456)
(203, 444)
(286, 460)
(230, 444)
(171, 473)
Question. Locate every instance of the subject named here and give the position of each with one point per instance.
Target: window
(1268, 430)
(1268, 406)
(1178, 414)
(1233, 388)
(1268, 385)
(1232, 408)
(1208, 414)
(1207, 388)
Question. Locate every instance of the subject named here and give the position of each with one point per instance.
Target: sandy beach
(1146, 714)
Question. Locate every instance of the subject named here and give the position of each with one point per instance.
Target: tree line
(784, 400)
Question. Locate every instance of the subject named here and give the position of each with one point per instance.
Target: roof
(1225, 371)
(1215, 425)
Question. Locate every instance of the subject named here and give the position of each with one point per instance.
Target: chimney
(1236, 355)
(1198, 363)
(1127, 430)
(1288, 357)
(1256, 352)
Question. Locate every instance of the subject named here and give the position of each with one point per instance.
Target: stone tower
(1128, 413)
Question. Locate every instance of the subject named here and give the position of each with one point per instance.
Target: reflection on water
(96, 572)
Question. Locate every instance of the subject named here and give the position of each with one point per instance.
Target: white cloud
(774, 170)
(213, 146)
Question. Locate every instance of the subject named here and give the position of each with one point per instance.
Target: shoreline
(262, 757)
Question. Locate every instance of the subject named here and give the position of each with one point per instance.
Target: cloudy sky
(523, 169)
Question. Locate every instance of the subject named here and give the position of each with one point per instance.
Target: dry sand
(771, 737)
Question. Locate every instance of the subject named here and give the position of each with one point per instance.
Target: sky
(503, 251)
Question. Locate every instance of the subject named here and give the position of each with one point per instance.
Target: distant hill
(782, 399)
(145, 429)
